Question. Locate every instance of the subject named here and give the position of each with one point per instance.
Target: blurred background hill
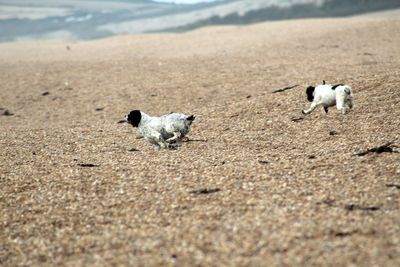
(90, 19)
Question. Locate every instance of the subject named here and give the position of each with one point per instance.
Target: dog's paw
(173, 147)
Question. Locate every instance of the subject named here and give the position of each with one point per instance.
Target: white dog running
(327, 95)
(164, 132)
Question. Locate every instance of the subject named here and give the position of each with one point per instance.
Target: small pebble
(7, 113)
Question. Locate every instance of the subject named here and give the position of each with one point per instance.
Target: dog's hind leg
(340, 101)
(176, 136)
(350, 101)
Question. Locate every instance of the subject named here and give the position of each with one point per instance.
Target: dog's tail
(347, 90)
(190, 119)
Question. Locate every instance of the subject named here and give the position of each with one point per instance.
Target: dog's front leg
(312, 107)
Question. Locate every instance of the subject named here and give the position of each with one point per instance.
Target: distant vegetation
(331, 8)
(85, 19)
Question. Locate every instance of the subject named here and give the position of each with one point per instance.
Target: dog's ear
(310, 93)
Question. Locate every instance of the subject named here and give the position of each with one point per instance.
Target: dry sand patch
(290, 192)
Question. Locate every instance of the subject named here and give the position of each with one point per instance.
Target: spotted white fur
(327, 95)
(166, 131)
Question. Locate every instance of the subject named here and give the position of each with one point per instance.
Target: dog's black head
(310, 93)
(134, 118)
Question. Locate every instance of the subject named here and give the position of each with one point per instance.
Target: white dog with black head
(327, 95)
(166, 131)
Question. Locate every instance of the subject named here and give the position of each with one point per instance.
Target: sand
(288, 189)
